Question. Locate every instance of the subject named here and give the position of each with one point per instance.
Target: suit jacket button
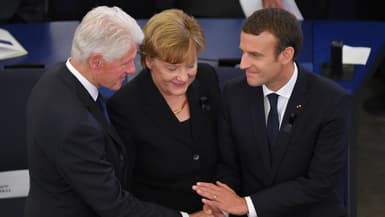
(121, 157)
(196, 157)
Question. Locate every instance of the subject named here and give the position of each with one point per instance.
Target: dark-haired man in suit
(284, 130)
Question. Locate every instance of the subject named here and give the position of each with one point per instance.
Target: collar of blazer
(90, 104)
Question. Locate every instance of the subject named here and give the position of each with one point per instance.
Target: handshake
(219, 199)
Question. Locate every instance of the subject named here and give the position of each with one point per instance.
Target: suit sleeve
(329, 159)
(82, 162)
(228, 166)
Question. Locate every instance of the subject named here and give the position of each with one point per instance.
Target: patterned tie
(272, 119)
(103, 107)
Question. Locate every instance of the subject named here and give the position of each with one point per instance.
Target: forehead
(253, 43)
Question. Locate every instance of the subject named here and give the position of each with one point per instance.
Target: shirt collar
(287, 89)
(91, 89)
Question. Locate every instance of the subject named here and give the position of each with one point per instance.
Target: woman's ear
(149, 61)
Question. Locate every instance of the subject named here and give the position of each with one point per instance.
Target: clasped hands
(219, 198)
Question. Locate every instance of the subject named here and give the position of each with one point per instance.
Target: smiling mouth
(179, 84)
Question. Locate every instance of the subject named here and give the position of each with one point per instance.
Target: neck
(284, 77)
(176, 103)
(83, 69)
(179, 110)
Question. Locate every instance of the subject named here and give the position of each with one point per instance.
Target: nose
(131, 69)
(183, 75)
(244, 64)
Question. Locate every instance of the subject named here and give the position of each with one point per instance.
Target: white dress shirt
(91, 89)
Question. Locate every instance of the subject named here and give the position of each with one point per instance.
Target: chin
(178, 92)
(115, 87)
(252, 82)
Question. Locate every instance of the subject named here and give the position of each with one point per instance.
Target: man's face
(111, 74)
(260, 61)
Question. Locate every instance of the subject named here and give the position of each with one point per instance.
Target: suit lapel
(198, 114)
(98, 114)
(257, 113)
(91, 105)
(294, 109)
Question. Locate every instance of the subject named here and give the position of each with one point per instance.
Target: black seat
(15, 87)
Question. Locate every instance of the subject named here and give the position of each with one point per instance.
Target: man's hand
(215, 211)
(221, 196)
(202, 213)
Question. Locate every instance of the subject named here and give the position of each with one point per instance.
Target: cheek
(130, 67)
(192, 77)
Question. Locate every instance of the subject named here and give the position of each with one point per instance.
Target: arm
(228, 170)
(82, 162)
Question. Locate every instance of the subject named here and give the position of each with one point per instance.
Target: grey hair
(108, 31)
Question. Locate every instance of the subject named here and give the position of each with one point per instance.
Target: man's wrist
(250, 207)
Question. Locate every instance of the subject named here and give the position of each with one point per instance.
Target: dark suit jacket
(307, 159)
(77, 162)
(167, 162)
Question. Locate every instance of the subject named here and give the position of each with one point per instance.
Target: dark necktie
(102, 105)
(272, 119)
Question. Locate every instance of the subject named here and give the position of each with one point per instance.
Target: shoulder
(132, 89)
(322, 85)
(325, 92)
(206, 73)
(236, 86)
(206, 80)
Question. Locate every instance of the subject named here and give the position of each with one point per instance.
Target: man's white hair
(108, 31)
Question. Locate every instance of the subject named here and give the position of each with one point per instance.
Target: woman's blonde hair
(171, 36)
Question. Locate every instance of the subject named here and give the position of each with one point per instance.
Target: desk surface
(50, 43)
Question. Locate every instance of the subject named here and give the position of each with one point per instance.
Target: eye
(254, 54)
(171, 68)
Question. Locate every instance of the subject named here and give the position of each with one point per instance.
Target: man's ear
(95, 61)
(286, 55)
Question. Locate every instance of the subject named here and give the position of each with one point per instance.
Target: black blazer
(168, 162)
(77, 162)
(309, 155)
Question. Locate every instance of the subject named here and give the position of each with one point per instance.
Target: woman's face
(172, 79)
